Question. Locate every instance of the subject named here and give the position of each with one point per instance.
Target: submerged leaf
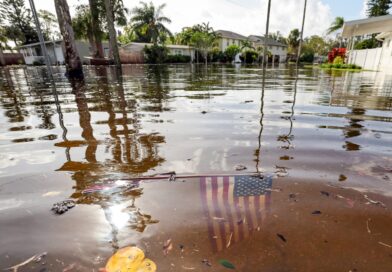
(130, 259)
(226, 264)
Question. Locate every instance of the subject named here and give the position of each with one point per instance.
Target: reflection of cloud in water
(30, 157)
(189, 166)
(7, 204)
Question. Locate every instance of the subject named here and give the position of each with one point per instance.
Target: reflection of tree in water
(132, 152)
(353, 129)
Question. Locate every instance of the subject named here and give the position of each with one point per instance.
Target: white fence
(377, 59)
(366, 58)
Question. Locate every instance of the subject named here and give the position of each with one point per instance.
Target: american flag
(234, 206)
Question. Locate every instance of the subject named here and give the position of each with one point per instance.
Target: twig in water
(376, 202)
(367, 226)
(229, 242)
(36, 257)
(384, 244)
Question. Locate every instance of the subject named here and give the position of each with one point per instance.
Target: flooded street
(321, 142)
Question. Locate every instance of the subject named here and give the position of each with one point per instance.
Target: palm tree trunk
(72, 59)
(2, 60)
(97, 46)
(302, 34)
(112, 33)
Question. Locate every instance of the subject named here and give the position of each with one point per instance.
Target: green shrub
(338, 60)
(155, 54)
(307, 57)
(250, 56)
(231, 51)
(177, 59)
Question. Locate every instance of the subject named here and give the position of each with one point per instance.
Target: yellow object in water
(130, 259)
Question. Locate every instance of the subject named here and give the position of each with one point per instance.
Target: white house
(379, 59)
(228, 38)
(277, 49)
(32, 52)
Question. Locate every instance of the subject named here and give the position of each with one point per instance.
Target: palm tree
(72, 59)
(336, 25)
(148, 22)
(112, 33)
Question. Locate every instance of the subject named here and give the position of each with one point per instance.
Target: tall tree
(19, 20)
(82, 26)
(72, 59)
(112, 33)
(293, 41)
(49, 24)
(149, 23)
(378, 7)
(96, 30)
(336, 25)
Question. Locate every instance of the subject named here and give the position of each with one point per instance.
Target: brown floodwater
(321, 140)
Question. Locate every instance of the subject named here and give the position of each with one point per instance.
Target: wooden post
(72, 59)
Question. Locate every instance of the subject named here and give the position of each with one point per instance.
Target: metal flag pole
(266, 34)
(41, 38)
(302, 34)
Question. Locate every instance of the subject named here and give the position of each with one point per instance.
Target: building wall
(226, 42)
(386, 56)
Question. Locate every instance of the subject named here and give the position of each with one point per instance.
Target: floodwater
(322, 143)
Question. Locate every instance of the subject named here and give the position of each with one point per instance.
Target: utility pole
(302, 34)
(41, 38)
(2, 60)
(266, 34)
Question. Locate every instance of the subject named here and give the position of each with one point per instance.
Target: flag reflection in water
(234, 206)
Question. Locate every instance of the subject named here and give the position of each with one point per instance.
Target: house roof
(230, 35)
(38, 43)
(260, 39)
(367, 26)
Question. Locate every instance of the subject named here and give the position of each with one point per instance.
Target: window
(178, 52)
(227, 42)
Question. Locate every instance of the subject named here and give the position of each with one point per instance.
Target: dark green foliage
(218, 56)
(231, 51)
(307, 57)
(155, 54)
(178, 59)
(367, 44)
(18, 16)
(250, 56)
(378, 7)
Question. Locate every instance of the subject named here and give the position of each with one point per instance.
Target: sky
(247, 16)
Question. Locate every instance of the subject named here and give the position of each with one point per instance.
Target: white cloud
(242, 16)
(364, 9)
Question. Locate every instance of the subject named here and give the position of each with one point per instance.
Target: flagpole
(41, 38)
(266, 33)
(302, 33)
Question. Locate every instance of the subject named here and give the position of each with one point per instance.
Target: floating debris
(206, 262)
(63, 206)
(384, 244)
(316, 212)
(375, 202)
(240, 167)
(167, 246)
(281, 237)
(130, 259)
(342, 177)
(226, 264)
(324, 193)
(36, 258)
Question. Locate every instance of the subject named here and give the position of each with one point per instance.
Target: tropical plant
(156, 54)
(250, 56)
(231, 51)
(367, 44)
(336, 25)
(49, 24)
(293, 40)
(246, 44)
(19, 21)
(149, 23)
(203, 42)
(378, 7)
